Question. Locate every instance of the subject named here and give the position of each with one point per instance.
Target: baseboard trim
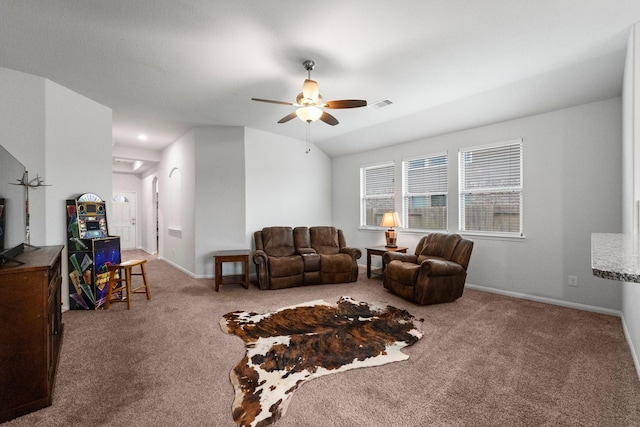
(546, 300)
(184, 270)
(634, 355)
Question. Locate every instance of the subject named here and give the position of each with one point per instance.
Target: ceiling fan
(311, 104)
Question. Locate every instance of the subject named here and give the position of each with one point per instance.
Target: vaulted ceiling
(165, 66)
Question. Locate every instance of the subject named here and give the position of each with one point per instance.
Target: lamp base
(391, 237)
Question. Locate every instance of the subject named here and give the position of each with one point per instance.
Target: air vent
(383, 103)
(118, 160)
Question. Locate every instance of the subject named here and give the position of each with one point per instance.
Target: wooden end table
(241, 255)
(379, 251)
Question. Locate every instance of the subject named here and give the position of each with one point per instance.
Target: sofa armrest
(261, 260)
(439, 267)
(354, 253)
(387, 257)
(260, 257)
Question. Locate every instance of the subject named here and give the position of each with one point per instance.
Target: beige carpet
(485, 360)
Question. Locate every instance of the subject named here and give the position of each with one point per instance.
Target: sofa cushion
(324, 240)
(336, 263)
(440, 245)
(278, 241)
(335, 268)
(284, 266)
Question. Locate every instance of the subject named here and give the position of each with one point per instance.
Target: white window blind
(377, 193)
(491, 189)
(425, 186)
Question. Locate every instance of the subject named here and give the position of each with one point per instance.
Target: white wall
(631, 180)
(284, 185)
(61, 136)
(22, 133)
(572, 159)
(220, 195)
(77, 154)
(177, 221)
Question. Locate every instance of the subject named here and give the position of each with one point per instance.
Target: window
(491, 189)
(425, 192)
(120, 198)
(377, 193)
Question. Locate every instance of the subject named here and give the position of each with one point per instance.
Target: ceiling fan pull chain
(308, 137)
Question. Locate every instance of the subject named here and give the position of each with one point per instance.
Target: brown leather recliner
(435, 273)
(287, 257)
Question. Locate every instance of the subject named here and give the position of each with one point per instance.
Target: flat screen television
(12, 206)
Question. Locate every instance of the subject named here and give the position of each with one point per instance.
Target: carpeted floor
(485, 360)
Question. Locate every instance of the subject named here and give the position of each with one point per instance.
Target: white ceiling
(165, 66)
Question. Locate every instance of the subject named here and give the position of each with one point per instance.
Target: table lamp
(390, 219)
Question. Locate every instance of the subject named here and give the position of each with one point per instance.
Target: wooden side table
(379, 251)
(221, 257)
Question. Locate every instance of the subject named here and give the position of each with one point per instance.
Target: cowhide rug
(292, 345)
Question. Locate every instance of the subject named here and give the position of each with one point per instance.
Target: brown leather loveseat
(287, 257)
(435, 273)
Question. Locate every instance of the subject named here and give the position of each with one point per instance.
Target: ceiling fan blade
(287, 117)
(346, 103)
(328, 119)
(271, 101)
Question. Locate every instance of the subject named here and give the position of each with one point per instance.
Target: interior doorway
(123, 220)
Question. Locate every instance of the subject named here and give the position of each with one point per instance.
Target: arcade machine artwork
(91, 250)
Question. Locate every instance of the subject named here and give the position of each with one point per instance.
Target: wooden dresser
(31, 330)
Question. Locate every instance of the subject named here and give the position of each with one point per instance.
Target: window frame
(363, 191)
(406, 194)
(464, 191)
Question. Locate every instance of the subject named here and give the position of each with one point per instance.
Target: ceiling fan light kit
(301, 99)
(310, 90)
(309, 114)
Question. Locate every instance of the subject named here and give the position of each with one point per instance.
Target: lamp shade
(390, 219)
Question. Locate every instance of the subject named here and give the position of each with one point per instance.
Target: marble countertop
(615, 256)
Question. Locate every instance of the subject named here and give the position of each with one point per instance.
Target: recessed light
(142, 137)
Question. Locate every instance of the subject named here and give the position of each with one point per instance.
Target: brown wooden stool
(123, 283)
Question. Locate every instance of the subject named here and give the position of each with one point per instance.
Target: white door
(122, 221)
